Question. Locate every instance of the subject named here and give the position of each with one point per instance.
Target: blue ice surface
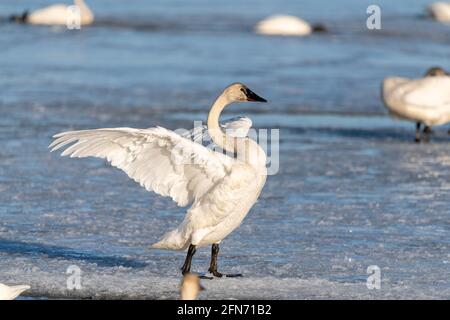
(353, 190)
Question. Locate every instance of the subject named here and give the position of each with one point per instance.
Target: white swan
(221, 188)
(11, 292)
(283, 25)
(190, 286)
(57, 14)
(440, 11)
(424, 101)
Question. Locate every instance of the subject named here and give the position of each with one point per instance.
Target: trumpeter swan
(190, 286)
(424, 101)
(57, 14)
(440, 11)
(283, 25)
(11, 292)
(221, 188)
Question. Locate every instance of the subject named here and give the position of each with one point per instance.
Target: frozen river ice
(353, 190)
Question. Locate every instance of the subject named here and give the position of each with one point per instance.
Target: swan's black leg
(417, 132)
(187, 263)
(213, 264)
(426, 133)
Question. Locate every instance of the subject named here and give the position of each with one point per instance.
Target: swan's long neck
(244, 149)
(220, 138)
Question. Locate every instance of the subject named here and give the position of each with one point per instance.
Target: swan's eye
(245, 91)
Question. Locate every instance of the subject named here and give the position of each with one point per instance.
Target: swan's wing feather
(199, 134)
(237, 127)
(429, 92)
(158, 159)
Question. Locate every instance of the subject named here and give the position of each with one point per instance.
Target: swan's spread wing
(159, 159)
(429, 92)
(236, 127)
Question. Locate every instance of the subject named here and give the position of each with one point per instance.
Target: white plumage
(11, 292)
(236, 127)
(221, 188)
(59, 14)
(190, 287)
(440, 11)
(425, 100)
(155, 158)
(283, 25)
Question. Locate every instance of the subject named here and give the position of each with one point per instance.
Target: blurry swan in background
(221, 188)
(284, 25)
(11, 292)
(440, 11)
(425, 101)
(57, 14)
(190, 286)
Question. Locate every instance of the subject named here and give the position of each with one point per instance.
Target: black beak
(251, 96)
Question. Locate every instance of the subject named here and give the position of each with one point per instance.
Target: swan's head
(190, 286)
(238, 92)
(436, 72)
(319, 28)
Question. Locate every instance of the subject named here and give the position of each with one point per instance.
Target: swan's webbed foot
(215, 273)
(234, 275)
(218, 274)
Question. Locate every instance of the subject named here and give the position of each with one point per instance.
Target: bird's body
(425, 100)
(221, 188)
(283, 25)
(215, 215)
(11, 292)
(57, 14)
(440, 11)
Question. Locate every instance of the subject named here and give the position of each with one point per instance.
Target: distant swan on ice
(57, 14)
(284, 25)
(11, 292)
(222, 189)
(424, 101)
(440, 11)
(190, 286)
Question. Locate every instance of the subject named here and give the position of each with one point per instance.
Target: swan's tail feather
(19, 18)
(173, 240)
